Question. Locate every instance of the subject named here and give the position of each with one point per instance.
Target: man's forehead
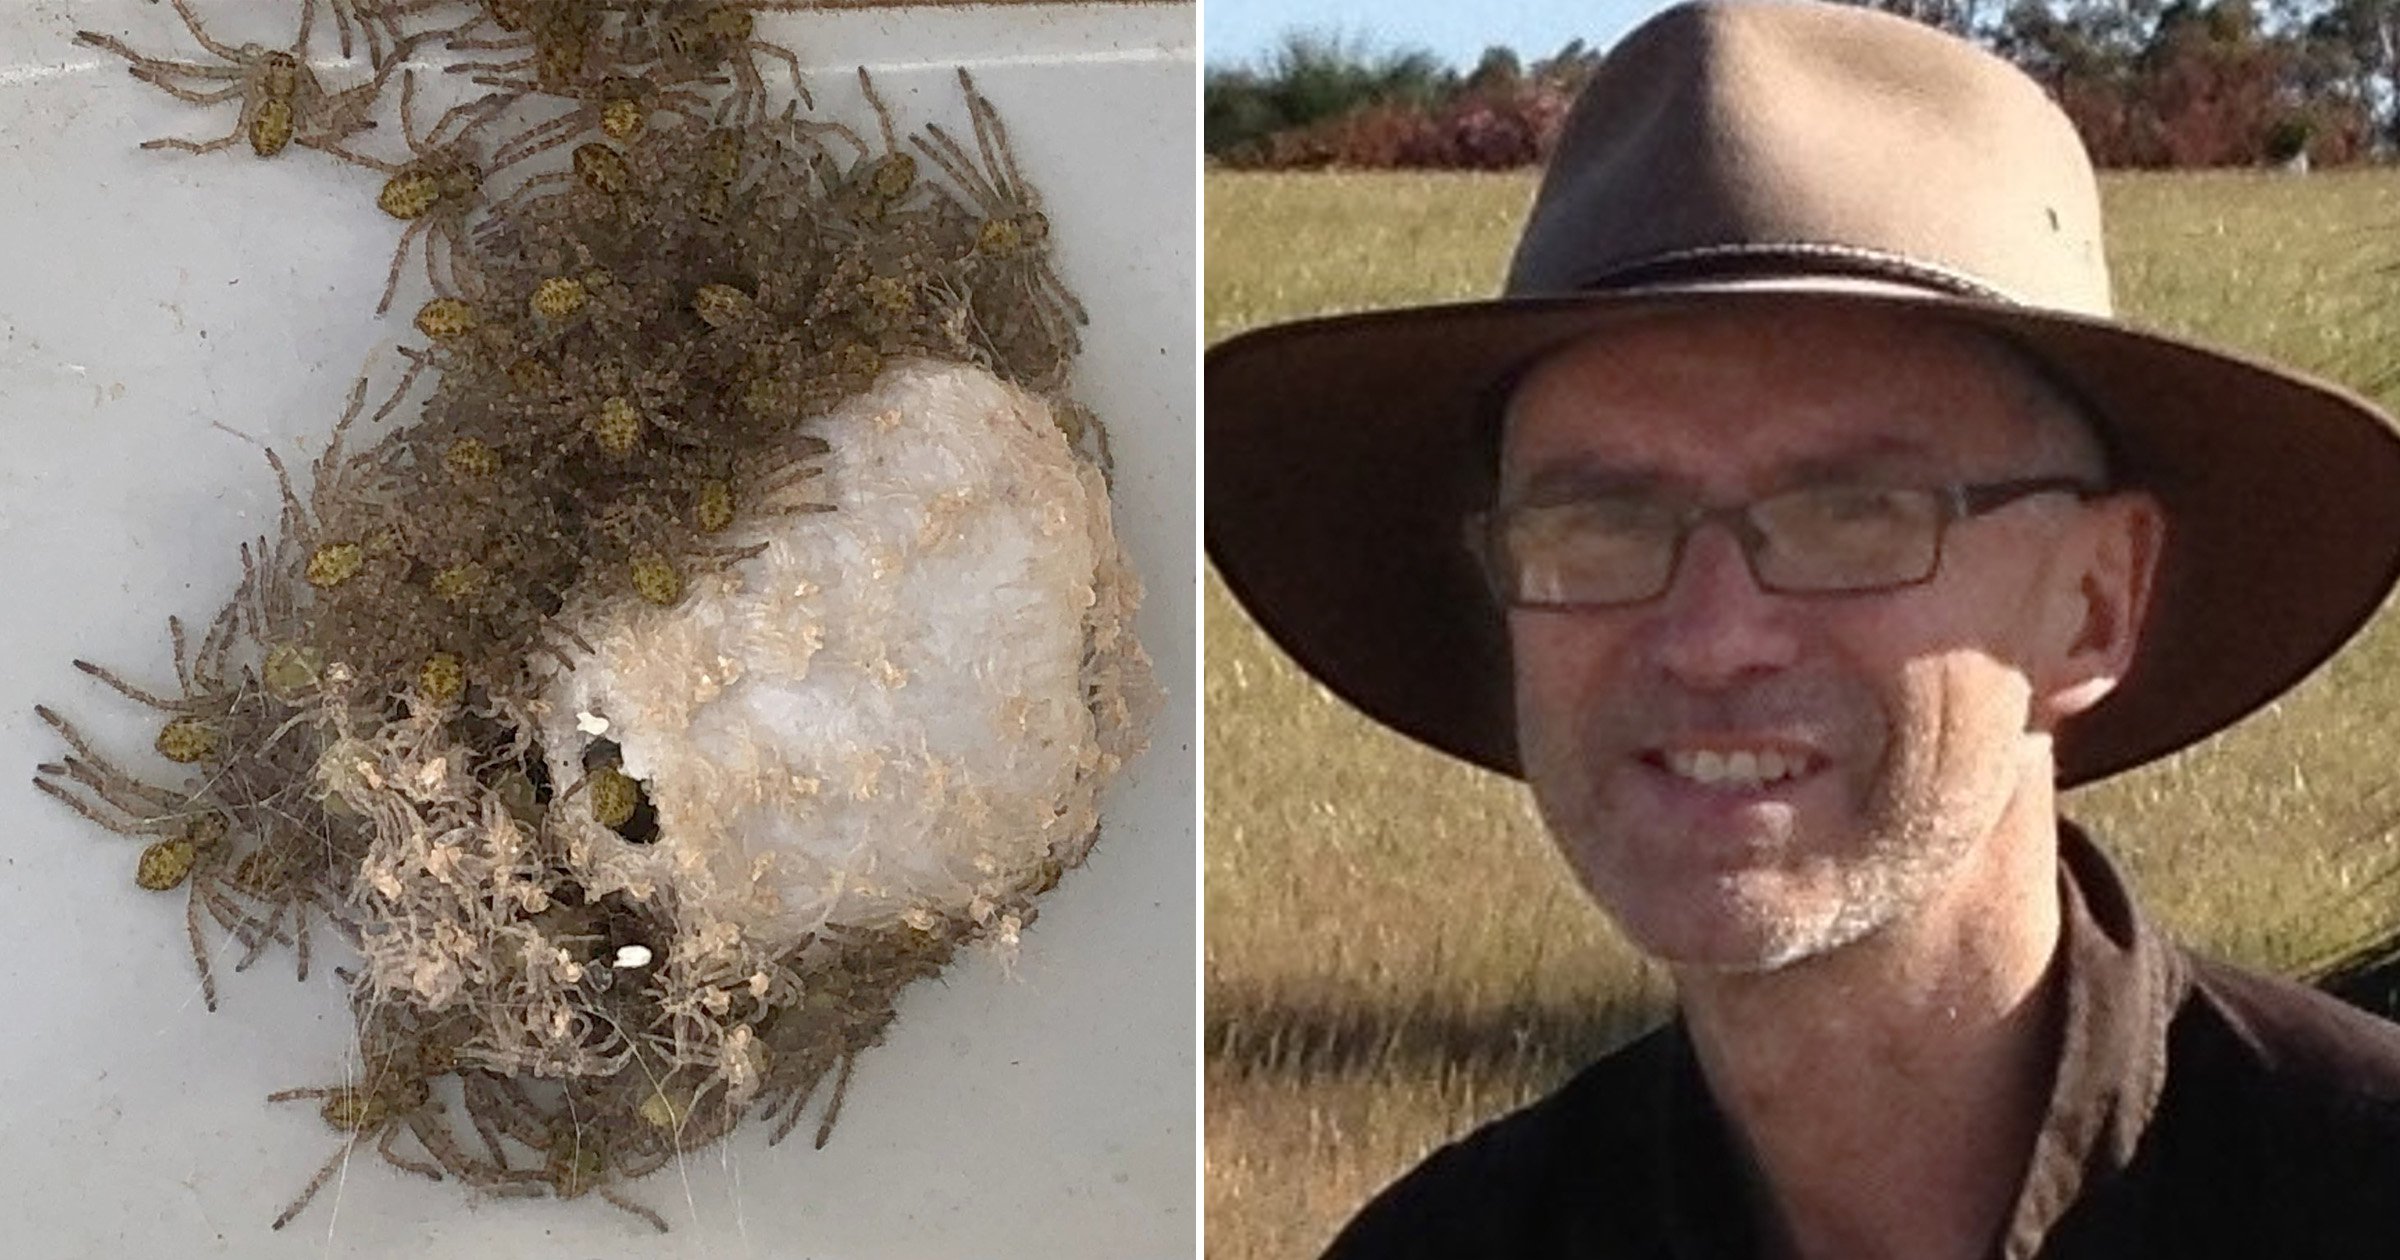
(1700, 396)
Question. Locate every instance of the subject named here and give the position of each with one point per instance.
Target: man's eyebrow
(1576, 478)
(1580, 476)
(1880, 453)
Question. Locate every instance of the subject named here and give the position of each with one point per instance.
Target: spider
(510, 16)
(578, 1157)
(597, 181)
(581, 1159)
(331, 562)
(191, 830)
(436, 189)
(850, 1012)
(379, 20)
(395, 1097)
(190, 844)
(272, 616)
(617, 106)
(1012, 233)
(347, 13)
(698, 38)
(876, 186)
(180, 830)
(282, 102)
(556, 37)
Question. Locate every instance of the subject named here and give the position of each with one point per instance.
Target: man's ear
(2099, 626)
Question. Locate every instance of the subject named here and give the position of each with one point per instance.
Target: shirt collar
(2120, 986)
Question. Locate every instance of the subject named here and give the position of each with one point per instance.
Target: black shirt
(2196, 1111)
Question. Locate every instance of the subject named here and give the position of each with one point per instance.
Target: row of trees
(2149, 83)
(1320, 100)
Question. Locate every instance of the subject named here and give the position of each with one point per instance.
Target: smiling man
(1820, 526)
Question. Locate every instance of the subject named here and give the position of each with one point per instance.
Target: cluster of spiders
(644, 280)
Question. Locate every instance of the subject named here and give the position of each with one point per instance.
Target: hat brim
(1343, 455)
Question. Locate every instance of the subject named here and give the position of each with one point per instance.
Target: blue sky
(1240, 30)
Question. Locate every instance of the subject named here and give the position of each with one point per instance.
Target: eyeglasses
(1611, 550)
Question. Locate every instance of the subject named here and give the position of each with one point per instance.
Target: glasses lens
(1604, 550)
(1847, 538)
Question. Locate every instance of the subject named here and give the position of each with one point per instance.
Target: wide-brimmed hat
(1794, 158)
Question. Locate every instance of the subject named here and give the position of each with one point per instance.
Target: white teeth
(1742, 770)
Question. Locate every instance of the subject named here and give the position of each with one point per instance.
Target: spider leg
(749, 98)
(194, 146)
(617, 1199)
(146, 67)
(324, 1173)
(687, 105)
(485, 1130)
(295, 517)
(139, 828)
(1059, 307)
(480, 68)
(330, 460)
(391, 282)
(216, 651)
(806, 133)
(338, 114)
(541, 137)
(645, 1164)
(192, 20)
(439, 1142)
(260, 619)
(131, 692)
(883, 114)
(191, 930)
(974, 192)
(991, 138)
(833, 1107)
(300, 940)
(183, 673)
(479, 111)
(522, 195)
(451, 36)
(464, 279)
(383, 1147)
(341, 23)
(308, 18)
(124, 793)
(400, 391)
(221, 95)
(791, 1099)
(270, 933)
(791, 61)
(237, 922)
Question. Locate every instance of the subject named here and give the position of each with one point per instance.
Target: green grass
(1394, 952)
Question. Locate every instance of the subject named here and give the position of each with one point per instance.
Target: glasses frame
(1959, 501)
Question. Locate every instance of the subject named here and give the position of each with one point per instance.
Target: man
(1820, 526)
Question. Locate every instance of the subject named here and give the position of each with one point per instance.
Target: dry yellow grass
(1394, 953)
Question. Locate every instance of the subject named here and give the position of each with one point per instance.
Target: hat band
(1793, 265)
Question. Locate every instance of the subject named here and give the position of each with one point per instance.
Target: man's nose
(1715, 627)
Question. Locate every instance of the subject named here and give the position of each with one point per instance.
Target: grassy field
(1394, 953)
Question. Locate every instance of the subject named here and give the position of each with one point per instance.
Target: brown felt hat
(1793, 157)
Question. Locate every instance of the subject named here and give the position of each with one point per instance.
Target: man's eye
(1612, 517)
(1851, 505)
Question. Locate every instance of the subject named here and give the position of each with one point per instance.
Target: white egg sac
(904, 708)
